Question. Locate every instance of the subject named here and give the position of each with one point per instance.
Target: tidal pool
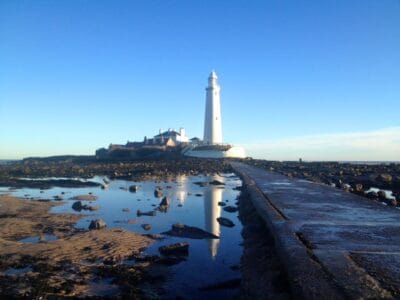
(210, 261)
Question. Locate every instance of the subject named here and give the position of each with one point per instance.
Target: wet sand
(76, 264)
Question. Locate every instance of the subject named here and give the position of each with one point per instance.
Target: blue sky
(78, 75)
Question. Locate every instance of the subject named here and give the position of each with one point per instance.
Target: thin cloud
(377, 145)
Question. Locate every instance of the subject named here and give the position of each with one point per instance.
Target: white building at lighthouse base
(215, 151)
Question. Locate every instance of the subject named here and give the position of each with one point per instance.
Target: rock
(175, 249)
(178, 226)
(97, 224)
(146, 226)
(85, 198)
(126, 210)
(225, 222)
(158, 193)
(385, 178)
(202, 183)
(221, 203)
(42, 238)
(155, 236)
(346, 187)
(382, 195)
(164, 204)
(392, 202)
(216, 182)
(165, 201)
(372, 195)
(77, 206)
(133, 188)
(150, 213)
(129, 221)
(182, 230)
(358, 187)
(230, 209)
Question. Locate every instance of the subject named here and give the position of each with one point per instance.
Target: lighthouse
(212, 122)
(211, 146)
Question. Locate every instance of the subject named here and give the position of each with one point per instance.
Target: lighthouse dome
(213, 74)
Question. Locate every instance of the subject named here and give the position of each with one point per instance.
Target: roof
(168, 133)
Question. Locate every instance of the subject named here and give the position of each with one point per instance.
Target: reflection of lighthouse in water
(212, 211)
(181, 188)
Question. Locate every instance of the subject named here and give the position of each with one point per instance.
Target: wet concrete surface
(334, 244)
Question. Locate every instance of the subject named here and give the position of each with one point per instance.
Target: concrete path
(334, 244)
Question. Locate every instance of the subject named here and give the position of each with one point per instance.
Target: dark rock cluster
(88, 167)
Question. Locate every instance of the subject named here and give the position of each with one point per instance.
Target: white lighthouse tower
(212, 146)
(212, 122)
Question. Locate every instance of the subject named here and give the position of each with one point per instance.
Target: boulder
(382, 195)
(225, 222)
(358, 187)
(175, 249)
(166, 201)
(77, 206)
(202, 183)
(150, 213)
(182, 230)
(91, 208)
(133, 188)
(84, 197)
(385, 177)
(372, 195)
(146, 226)
(158, 193)
(216, 182)
(97, 224)
(230, 209)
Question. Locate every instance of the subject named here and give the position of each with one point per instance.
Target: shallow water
(37, 238)
(18, 271)
(209, 261)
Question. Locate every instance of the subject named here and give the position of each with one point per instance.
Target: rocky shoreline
(137, 170)
(355, 178)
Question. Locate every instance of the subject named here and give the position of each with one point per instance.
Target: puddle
(209, 260)
(281, 183)
(17, 271)
(39, 238)
(103, 287)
